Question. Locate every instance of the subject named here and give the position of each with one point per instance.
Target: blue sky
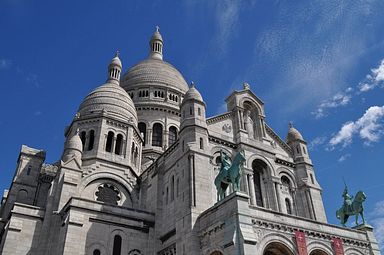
(319, 64)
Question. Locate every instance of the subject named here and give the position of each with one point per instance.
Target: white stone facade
(137, 177)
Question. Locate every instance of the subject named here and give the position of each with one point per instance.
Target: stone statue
(351, 207)
(230, 173)
(248, 123)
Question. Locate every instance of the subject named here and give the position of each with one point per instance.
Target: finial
(117, 53)
(246, 85)
(77, 131)
(192, 84)
(157, 29)
(290, 124)
(77, 115)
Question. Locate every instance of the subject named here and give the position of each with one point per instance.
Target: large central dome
(154, 71)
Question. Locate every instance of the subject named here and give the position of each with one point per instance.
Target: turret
(311, 203)
(298, 145)
(114, 70)
(156, 45)
(193, 109)
(73, 148)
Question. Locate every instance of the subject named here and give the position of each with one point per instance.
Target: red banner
(337, 245)
(301, 243)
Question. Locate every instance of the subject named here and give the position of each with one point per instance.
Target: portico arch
(276, 248)
(318, 252)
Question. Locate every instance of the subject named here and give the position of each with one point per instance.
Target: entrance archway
(216, 253)
(318, 252)
(277, 249)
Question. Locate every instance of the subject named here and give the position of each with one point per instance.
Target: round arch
(281, 171)
(319, 248)
(353, 251)
(216, 253)
(277, 248)
(254, 157)
(278, 241)
(111, 176)
(253, 102)
(318, 252)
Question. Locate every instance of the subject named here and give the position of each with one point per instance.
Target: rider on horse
(225, 161)
(347, 199)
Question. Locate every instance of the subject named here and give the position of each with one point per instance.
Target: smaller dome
(193, 93)
(156, 35)
(111, 99)
(293, 134)
(116, 61)
(74, 143)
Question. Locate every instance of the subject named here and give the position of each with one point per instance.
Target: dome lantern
(114, 70)
(156, 45)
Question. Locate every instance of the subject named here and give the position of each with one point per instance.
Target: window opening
(108, 146)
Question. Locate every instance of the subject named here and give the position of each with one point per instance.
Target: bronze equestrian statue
(230, 173)
(351, 207)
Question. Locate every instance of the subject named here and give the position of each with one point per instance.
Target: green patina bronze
(230, 173)
(351, 207)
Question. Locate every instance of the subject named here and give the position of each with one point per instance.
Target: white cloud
(340, 99)
(344, 157)
(374, 79)
(317, 141)
(378, 222)
(378, 225)
(5, 63)
(227, 18)
(33, 79)
(369, 127)
(37, 113)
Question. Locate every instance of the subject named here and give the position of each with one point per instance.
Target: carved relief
(108, 193)
(227, 128)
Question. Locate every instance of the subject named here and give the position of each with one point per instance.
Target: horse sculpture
(350, 207)
(229, 173)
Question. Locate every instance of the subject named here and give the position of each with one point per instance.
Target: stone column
(309, 204)
(252, 192)
(277, 196)
(149, 137)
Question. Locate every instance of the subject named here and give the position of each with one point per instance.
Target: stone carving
(134, 252)
(227, 128)
(248, 123)
(170, 250)
(108, 193)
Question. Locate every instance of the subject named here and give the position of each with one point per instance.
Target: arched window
(29, 170)
(172, 188)
(288, 206)
(119, 144)
(96, 252)
(258, 167)
(117, 245)
(285, 182)
(22, 196)
(143, 131)
(83, 137)
(157, 135)
(91, 139)
(198, 111)
(277, 248)
(108, 146)
(190, 111)
(201, 143)
(172, 137)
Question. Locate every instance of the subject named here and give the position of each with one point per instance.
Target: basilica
(137, 177)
